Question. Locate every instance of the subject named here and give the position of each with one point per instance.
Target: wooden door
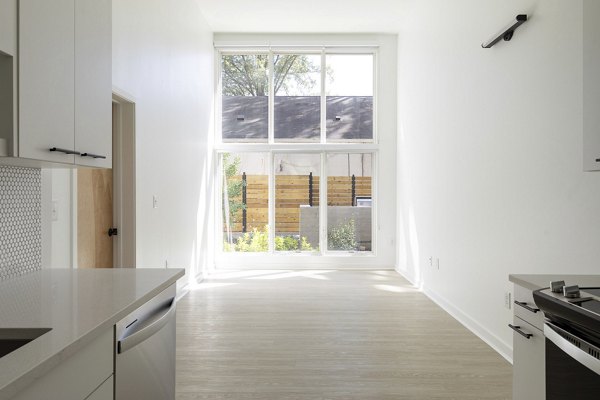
(94, 218)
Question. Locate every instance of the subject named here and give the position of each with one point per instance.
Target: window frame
(270, 51)
(272, 148)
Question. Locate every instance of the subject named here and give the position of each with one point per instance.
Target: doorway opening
(106, 212)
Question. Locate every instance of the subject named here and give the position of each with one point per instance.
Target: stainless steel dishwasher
(145, 351)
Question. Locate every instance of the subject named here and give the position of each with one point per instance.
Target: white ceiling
(378, 16)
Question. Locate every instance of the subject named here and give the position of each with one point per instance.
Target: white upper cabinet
(46, 80)
(8, 27)
(8, 84)
(93, 83)
(65, 82)
(591, 86)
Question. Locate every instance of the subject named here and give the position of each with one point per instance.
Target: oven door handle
(551, 333)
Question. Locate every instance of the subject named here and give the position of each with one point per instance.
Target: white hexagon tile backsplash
(20, 221)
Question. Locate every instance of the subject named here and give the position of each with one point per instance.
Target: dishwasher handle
(136, 338)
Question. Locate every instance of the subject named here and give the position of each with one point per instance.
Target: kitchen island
(77, 306)
(528, 325)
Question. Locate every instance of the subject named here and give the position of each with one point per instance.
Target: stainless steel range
(572, 331)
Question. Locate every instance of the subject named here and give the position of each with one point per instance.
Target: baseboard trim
(471, 324)
(282, 267)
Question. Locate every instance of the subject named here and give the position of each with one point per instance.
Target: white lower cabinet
(84, 375)
(104, 392)
(528, 362)
(529, 347)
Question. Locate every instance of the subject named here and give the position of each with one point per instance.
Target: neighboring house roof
(297, 117)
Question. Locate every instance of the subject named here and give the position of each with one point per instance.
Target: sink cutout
(13, 338)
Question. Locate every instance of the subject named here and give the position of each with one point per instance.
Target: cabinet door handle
(92, 155)
(66, 151)
(519, 331)
(525, 306)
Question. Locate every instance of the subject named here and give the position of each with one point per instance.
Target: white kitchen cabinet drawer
(93, 83)
(528, 362)
(46, 79)
(104, 392)
(77, 376)
(526, 309)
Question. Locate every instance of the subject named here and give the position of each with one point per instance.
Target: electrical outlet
(431, 261)
(507, 302)
(437, 263)
(166, 263)
(154, 201)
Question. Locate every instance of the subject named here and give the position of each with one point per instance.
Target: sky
(351, 75)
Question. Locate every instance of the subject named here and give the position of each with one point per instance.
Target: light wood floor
(274, 335)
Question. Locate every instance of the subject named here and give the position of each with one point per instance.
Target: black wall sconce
(506, 33)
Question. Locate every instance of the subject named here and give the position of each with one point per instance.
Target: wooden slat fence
(291, 192)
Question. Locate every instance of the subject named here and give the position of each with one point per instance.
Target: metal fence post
(353, 189)
(310, 189)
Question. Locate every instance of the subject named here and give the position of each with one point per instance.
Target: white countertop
(535, 282)
(77, 304)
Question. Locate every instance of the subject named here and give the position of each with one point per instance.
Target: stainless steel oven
(572, 335)
(572, 365)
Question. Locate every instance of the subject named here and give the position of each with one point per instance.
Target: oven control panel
(572, 295)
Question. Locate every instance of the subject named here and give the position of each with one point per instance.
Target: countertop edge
(540, 281)
(12, 388)
(521, 281)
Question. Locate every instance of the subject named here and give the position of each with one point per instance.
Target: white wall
(163, 58)
(57, 232)
(490, 149)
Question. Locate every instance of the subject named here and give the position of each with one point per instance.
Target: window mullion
(323, 98)
(323, 205)
(271, 100)
(271, 209)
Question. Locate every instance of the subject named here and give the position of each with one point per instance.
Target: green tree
(233, 185)
(247, 75)
(342, 236)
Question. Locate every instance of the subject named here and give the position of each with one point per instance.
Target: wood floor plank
(327, 335)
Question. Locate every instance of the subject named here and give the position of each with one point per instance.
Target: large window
(297, 151)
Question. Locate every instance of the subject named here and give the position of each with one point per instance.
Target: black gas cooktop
(562, 303)
(592, 305)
